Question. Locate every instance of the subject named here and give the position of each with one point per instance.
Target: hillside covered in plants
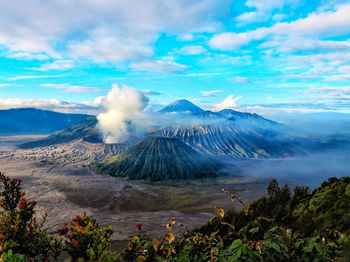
(285, 225)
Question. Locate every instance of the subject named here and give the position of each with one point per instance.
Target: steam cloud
(124, 112)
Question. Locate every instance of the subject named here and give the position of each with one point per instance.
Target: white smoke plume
(124, 113)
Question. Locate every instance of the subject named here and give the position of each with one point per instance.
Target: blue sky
(264, 56)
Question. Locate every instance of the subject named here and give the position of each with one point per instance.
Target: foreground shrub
(301, 226)
(85, 240)
(20, 231)
(10, 257)
(282, 226)
(144, 248)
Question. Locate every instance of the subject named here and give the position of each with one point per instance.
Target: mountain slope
(35, 121)
(182, 105)
(187, 111)
(158, 158)
(82, 130)
(232, 140)
(253, 118)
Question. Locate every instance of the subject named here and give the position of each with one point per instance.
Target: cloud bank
(101, 31)
(228, 103)
(52, 105)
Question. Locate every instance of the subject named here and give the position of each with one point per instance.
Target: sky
(261, 56)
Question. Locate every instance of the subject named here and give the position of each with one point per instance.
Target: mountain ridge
(82, 130)
(231, 134)
(32, 121)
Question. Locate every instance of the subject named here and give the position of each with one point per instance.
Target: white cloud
(278, 17)
(98, 100)
(230, 41)
(262, 10)
(28, 56)
(332, 59)
(339, 95)
(211, 93)
(301, 76)
(111, 47)
(186, 37)
(273, 110)
(104, 30)
(337, 77)
(342, 90)
(57, 65)
(51, 104)
(298, 44)
(239, 79)
(192, 50)
(158, 66)
(228, 103)
(344, 69)
(33, 77)
(4, 85)
(318, 24)
(150, 92)
(321, 70)
(74, 89)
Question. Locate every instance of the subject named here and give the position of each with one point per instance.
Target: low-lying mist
(309, 170)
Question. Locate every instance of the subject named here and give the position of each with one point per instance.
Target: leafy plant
(257, 233)
(85, 240)
(301, 226)
(10, 257)
(20, 231)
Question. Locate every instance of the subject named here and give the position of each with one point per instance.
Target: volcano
(180, 106)
(159, 158)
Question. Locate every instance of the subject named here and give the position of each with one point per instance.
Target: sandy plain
(59, 178)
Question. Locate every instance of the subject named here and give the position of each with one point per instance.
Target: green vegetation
(20, 230)
(282, 226)
(85, 240)
(10, 257)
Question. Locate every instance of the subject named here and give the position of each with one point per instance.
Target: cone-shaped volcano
(159, 158)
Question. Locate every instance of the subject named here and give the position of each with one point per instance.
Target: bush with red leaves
(19, 229)
(87, 241)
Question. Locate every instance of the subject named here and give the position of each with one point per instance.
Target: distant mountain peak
(181, 105)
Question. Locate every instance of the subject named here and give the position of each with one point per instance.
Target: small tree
(19, 229)
(87, 241)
